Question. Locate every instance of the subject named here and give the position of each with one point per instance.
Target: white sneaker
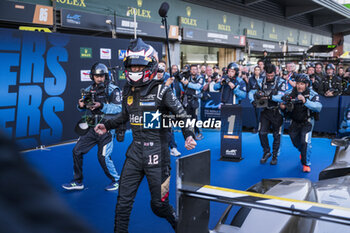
(174, 152)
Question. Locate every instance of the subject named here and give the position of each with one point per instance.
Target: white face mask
(135, 76)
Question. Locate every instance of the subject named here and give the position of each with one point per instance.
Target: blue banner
(41, 77)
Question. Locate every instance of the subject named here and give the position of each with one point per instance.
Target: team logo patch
(147, 104)
(130, 100)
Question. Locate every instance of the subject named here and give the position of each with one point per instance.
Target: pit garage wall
(41, 75)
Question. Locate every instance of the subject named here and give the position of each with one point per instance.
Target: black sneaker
(265, 157)
(273, 160)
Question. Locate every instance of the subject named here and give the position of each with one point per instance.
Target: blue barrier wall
(330, 117)
(248, 110)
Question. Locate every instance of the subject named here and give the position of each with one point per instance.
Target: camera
(289, 101)
(88, 97)
(224, 81)
(244, 73)
(261, 103)
(184, 74)
(285, 72)
(262, 98)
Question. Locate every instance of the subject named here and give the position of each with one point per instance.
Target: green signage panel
(317, 39)
(252, 28)
(145, 10)
(304, 38)
(273, 32)
(194, 16)
(291, 35)
(39, 2)
(223, 22)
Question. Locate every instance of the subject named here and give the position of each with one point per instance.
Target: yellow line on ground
(276, 198)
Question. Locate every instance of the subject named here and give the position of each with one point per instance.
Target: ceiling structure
(325, 17)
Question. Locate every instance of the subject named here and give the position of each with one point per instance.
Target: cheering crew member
(106, 100)
(304, 105)
(289, 79)
(270, 117)
(331, 85)
(145, 99)
(233, 88)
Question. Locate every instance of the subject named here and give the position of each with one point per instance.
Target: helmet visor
(136, 61)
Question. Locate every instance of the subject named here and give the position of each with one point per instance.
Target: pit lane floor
(97, 206)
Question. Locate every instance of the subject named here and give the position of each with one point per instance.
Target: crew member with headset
(192, 86)
(145, 100)
(331, 84)
(304, 108)
(268, 90)
(233, 88)
(106, 100)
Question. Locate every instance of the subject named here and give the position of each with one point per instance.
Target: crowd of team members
(275, 94)
(326, 79)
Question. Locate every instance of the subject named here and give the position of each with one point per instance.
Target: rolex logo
(251, 24)
(188, 11)
(273, 29)
(290, 34)
(224, 19)
(139, 3)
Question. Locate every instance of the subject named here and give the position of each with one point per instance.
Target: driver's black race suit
(148, 155)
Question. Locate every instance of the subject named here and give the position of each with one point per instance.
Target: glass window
(193, 54)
